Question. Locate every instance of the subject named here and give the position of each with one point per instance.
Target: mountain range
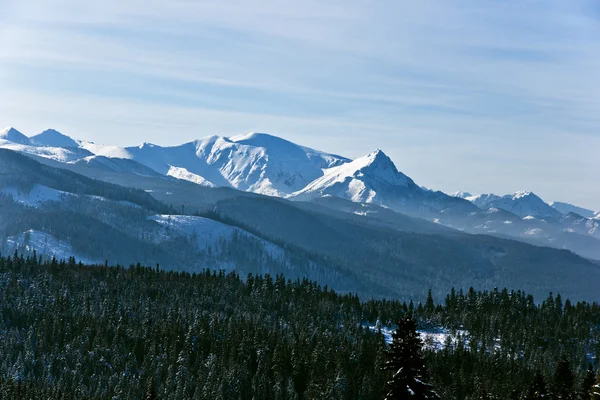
(268, 204)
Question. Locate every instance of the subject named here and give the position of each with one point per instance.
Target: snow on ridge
(462, 195)
(184, 174)
(522, 193)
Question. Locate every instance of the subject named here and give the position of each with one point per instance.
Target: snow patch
(45, 245)
(205, 232)
(184, 174)
(38, 195)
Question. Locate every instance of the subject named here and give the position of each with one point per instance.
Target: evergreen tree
(587, 383)
(537, 390)
(564, 381)
(405, 363)
(595, 392)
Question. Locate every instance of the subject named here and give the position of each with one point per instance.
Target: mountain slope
(375, 179)
(566, 208)
(523, 204)
(12, 135)
(257, 162)
(53, 138)
(266, 164)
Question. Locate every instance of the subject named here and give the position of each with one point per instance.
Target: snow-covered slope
(523, 204)
(115, 165)
(12, 139)
(369, 179)
(53, 138)
(208, 235)
(12, 135)
(256, 162)
(37, 196)
(45, 245)
(184, 174)
(566, 208)
(375, 179)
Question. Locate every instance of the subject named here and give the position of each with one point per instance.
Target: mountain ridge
(269, 165)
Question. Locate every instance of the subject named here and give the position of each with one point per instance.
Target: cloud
(453, 89)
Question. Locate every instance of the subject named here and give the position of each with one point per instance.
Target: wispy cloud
(476, 95)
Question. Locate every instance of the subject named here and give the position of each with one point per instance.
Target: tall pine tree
(405, 363)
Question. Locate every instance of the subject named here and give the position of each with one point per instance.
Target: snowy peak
(522, 203)
(376, 166)
(370, 179)
(462, 195)
(53, 138)
(10, 134)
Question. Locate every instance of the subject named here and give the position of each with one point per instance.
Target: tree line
(74, 331)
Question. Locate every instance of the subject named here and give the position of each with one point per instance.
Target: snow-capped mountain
(524, 204)
(266, 164)
(462, 195)
(367, 179)
(566, 208)
(12, 135)
(53, 138)
(256, 162)
(375, 179)
(12, 139)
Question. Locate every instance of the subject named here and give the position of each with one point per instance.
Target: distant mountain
(349, 246)
(462, 195)
(523, 204)
(256, 162)
(121, 165)
(566, 208)
(375, 179)
(53, 138)
(259, 163)
(367, 179)
(10, 134)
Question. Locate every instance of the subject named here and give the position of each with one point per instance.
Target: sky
(474, 95)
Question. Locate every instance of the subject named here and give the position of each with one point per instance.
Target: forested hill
(69, 331)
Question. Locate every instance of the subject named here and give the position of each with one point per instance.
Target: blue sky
(482, 96)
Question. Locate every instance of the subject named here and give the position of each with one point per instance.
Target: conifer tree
(405, 363)
(564, 381)
(537, 390)
(587, 383)
(595, 392)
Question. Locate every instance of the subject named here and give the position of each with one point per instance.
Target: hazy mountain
(566, 208)
(53, 138)
(523, 204)
(12, 135)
